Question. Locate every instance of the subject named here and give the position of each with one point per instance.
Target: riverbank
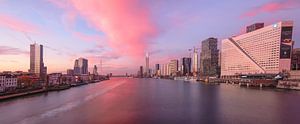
(253, 83)
(22, 94)
(49, 89)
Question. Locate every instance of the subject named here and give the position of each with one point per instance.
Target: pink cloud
(87, 37)
(272, 7)
(126, 23)
(16, 24)
(6, 50)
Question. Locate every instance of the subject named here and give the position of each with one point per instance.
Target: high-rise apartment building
(147, 66)
(81, 66)
(163, 69)
(195, 61)
(263, 51)
(209, 57)
(95, 70)
(140, 72)
(157, 69)
(185, 64)
(76, 67)
(37, 61)
(173, 67)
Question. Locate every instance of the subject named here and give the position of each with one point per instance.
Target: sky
(120, 32)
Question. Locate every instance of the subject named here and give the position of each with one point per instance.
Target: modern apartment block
(209, 57)
(263, 51)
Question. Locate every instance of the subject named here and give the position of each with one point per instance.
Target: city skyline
(69, 30)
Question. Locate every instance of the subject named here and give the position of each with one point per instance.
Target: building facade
(36, 61)
(8, 81)
(157, 70)
(173, 67)
(186, 64)
(165, 69)
(70, 72)
(54, 79)
(209, 57)
(95, 70)
(76, 67)
(162, 70)
(295, 65)
(81, 66)
(195, 61)
(147, 65)
(140, 72)
(263, 51)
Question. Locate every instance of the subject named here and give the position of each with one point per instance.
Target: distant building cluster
(37, 76)
(208, 58)
(260, 51)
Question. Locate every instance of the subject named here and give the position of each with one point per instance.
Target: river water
(153, 101)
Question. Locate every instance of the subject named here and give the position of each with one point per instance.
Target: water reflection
(149, 101)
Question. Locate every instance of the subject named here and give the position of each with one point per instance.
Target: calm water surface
(152, 101)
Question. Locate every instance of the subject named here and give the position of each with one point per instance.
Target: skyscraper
(209, 57)
(141, 72)
(168, 69)
(36, 61)
(162, 70)
(186, 66)
(95, 70)
(195, 61)
(147, 65)
(173, 67)
(81, 66)
(157, 69)
(263, 51)
(76, 67)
